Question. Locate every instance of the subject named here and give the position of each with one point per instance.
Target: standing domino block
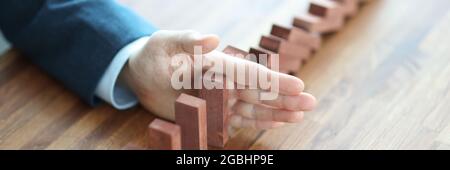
(190, 115)
(297, 36)
(217, 107)
(284, 48)
(164, 135)
(217, 117)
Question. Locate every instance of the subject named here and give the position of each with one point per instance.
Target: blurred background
(237, 22)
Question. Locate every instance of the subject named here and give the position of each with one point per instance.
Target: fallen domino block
(334, 24)
(315, 24)
(190, 115)
(235, 52)
(257, 53)
(249, 56)
(260, 53)
(285, 49)
(286, 65)
(331, 13)
(309, 23)
(297, 36)
(324, 17)
(325, 9)
(349, 7)
(241, 54)
(164, 135)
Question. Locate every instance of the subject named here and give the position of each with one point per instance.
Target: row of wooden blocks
(194, 129)
(296, 43)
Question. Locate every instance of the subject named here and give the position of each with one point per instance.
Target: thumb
(188, 40)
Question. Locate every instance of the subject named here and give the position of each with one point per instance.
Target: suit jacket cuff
(110, 89)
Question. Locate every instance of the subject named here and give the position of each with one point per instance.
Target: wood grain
(382, 82)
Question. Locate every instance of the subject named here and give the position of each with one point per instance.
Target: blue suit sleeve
(72, 40)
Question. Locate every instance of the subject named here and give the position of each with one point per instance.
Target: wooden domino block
(230, 50)
(217, 115)
(309, 23)
(334, 24)
(235, 52)
(239, 53)
(324, 17)
(217, 107)
(297, 36)
(164, 135)
(261, 52)
(325, 8)
(349, 7)
(331, 12)
(284, 49)
(190, 115)
(286, 65)
(315, 24)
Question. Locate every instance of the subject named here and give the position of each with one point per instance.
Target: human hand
(149, 76)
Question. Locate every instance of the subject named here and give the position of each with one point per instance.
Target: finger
(185, 41)
(238, 121)
(264, 113)
(188, 40)
(300, 102)
(287, 84)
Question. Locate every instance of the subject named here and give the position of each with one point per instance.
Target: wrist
(127, 76)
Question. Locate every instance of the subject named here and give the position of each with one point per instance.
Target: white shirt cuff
(115, 92)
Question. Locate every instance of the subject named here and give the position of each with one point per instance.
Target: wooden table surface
(383, 81)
